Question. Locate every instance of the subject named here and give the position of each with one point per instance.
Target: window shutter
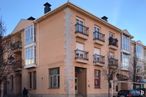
(79, 46)
(96, 51)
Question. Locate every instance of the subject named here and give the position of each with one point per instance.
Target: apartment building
(11, 70)
(125, 74)
(75, 55)
(138, 63)
(69, 55)
(12, 65)
(145, 65)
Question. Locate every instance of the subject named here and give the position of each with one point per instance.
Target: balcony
(113, 43)
(98, 38)
(98, 59)
(81, 31)
(81, 56)
(113, 63)
(18, 65)
(17, 46)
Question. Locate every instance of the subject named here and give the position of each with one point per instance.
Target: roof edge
(71, 5)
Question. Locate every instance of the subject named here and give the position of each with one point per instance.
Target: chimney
(47, 7)
(105, 18)
(31, 18)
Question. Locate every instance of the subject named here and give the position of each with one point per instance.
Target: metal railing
(113, 41)
(80, 54)
(81, 29)
(16, 45)
(98, 36)
(18, 64)
(98, 59)
(113, 62)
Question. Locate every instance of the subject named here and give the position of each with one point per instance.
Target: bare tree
(10, 57)
(2, 31)
(2, 68)
(8, 60)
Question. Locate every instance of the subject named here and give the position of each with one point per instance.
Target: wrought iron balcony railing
(113, 41)
(98, 59)
(18, 64)
(98, 36)
(81, 29)
(16, 45)
(113, 62)
(80, 54)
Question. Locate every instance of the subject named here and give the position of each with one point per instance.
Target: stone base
(97, 95)
(63, 95)
(51, 95)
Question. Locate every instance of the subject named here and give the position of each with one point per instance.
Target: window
(30, 51)
(96, 32)
(97, 51)
(125, 61)
(12, 82)
(80, 53)
(80, 24)
(30, 55)
(96, 55)
(111, 34)
(32, 80)
(111, 54)
(97, 78)
(139, 52)
(96, 28)
(79, 46)
(54, 78)
(29, 35)
(97, 35)
(79, 21)
(125, 43)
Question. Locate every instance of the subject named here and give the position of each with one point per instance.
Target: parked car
(142, 91)
(129, 93)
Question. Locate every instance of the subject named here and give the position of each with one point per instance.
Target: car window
(135, 92)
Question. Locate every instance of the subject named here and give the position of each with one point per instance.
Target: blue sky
(125, 14)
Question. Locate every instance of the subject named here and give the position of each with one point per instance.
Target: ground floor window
(97, 78)
(32, 80)
(54, 78)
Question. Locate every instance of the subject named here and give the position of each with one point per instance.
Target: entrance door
(18, 84)
(76, 85)
(80, 81)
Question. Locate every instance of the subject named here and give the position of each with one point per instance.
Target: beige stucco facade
(56, 45)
